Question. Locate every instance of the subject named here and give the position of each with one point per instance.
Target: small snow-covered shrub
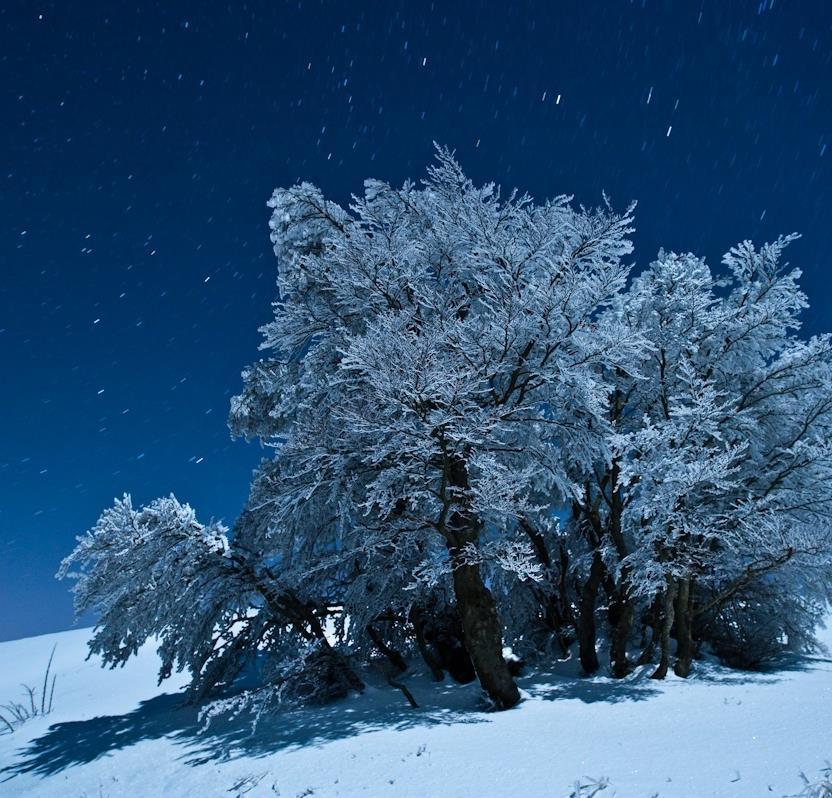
(762, 623)
(318, 676)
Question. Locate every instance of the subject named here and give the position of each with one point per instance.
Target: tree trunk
(563, 589)
(684, 630)
(442, 641)
(394, 657)
(553, 601)
(654, 622)
(481, 626)
(431, 660)
(586, 617)
(667, 625)
(284, 604)
(621, 620)
(483, 633)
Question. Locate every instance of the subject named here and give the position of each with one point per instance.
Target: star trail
(140, 142)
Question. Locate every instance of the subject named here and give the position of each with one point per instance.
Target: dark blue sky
(139, 143)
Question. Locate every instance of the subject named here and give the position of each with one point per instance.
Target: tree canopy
(487, 433)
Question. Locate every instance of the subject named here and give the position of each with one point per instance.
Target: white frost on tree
(481, 435)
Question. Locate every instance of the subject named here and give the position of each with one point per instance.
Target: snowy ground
(115, 733)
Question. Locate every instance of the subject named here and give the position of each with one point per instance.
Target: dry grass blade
(17, 713)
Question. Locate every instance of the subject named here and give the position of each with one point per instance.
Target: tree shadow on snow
(72, 743)
(590, 690)
(79, 742)
(712, 672)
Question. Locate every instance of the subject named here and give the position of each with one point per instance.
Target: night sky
(139, 144)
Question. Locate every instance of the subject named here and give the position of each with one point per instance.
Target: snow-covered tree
(478, 429)
(431, 353)
(156, 573)
(718, 480)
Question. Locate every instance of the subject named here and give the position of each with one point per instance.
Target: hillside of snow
(116, 733)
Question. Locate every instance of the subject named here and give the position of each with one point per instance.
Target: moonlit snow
(725, 734)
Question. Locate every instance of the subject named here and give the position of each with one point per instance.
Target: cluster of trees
(486, 434)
